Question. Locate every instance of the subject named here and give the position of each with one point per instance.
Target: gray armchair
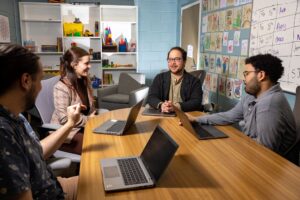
(126, 94)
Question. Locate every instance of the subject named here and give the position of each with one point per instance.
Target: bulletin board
(225, 33)
(276, 30)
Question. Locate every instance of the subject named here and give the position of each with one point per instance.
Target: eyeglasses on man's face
(176, 59)
(246, 73)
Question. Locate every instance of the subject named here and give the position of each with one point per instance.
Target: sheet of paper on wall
(244, 49)
(4, 29)
(190, 51)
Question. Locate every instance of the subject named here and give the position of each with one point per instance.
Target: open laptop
(155, 112)
(140, 171)
(118, 127)
(200, 131)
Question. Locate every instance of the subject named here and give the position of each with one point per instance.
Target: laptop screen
(158, 152)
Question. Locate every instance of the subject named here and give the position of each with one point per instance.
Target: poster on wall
(4, 29)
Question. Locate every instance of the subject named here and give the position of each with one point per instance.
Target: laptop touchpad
(111, 172)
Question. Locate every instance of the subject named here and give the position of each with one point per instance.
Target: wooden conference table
(230, 168)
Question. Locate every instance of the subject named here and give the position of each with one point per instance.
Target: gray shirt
(268, 119)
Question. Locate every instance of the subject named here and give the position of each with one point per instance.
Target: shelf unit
(122, 21)
(43, 23)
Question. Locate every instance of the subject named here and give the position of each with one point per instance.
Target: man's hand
(167, 107)
(73, 113)
(191, 118)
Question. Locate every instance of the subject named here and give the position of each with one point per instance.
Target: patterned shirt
(22, 166)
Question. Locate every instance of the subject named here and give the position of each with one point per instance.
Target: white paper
(225, 39)
(4, 29)
(230, 46)
(190, 51)
(236, 38)
(244, 48)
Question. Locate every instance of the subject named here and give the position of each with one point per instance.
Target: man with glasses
(175, 87)
(263, 113)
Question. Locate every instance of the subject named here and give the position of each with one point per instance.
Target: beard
(30, 99)
(252, 87)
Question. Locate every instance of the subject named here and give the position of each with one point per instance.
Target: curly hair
(268, 63)
(15, 61)
(183, 52)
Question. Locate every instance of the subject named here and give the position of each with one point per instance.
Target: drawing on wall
(246, 16)
(228, 19)
(4, 29)
(205, 5)
(225, 63)
(212, 59)
(241, 67)
(233, 66)
(229, 87)
(237, 89)
(207, 82)
(222, 20)
(230, 46)
(218, 64)
(222, 85)
(237, 18)
(213, 82)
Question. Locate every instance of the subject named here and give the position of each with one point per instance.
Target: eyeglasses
(246, 73)
(176, 59)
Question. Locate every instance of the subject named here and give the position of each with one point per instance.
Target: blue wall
(157, 34)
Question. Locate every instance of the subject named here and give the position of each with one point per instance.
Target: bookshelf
(43, 31)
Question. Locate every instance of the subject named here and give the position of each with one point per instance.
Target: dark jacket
(190, 91)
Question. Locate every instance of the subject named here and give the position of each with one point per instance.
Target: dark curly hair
(183, 52)
(268, 63)
(16, 60)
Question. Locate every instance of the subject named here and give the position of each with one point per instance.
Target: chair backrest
(294, 153)
(200, 74)
(44, 101)
(127, 84)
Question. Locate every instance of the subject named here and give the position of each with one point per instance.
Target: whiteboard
(276, 30)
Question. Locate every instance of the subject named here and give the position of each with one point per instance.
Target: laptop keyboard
(131, 171)
(117, 127)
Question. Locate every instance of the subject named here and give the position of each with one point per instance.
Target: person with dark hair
(24, 173)
(175, 87)
(74, 87)
(263, 113)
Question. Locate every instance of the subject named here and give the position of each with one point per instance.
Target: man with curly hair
(263, 113)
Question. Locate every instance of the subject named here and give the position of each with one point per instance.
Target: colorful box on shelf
(73, 29)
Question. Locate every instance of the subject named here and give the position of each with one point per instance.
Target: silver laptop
(118, 127)
(140, 171)
(200, 131)
(155, 112)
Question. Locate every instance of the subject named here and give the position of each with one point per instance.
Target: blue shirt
(268, 119)
(22, 166)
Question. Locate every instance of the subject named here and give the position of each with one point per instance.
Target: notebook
(118, 127)
(200, 131)
(155, 112)
(140, 171)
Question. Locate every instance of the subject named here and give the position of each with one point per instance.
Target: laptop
(142, 171)
(200, 131)
(155, 112)
(118, 127)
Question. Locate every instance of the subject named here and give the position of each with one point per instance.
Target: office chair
(293, 154)
(44, 107)
(200, 74)
(127, 93)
